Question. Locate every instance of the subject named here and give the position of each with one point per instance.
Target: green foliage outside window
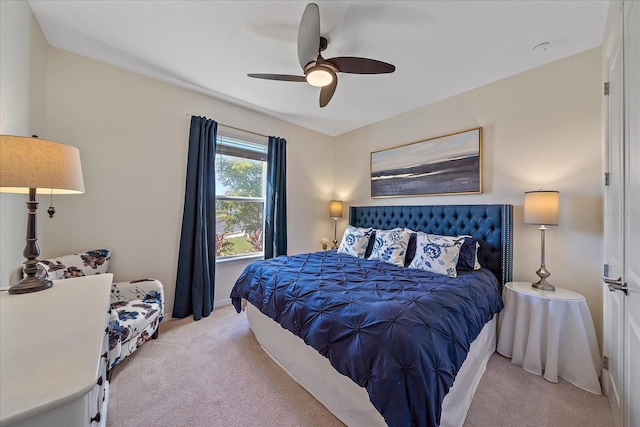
(242, 219)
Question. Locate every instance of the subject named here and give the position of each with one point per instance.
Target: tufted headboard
(491, 225)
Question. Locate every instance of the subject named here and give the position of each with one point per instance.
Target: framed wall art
(448, 164)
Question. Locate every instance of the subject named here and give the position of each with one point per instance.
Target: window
(241, 171)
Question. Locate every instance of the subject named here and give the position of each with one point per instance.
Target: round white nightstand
(558, 294)
(550, 331)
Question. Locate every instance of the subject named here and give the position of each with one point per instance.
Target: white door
(632, 211)
(614, 302)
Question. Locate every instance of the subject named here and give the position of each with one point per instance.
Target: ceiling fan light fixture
(319, 76)
(320, 72)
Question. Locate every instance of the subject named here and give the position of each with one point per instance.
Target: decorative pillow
(75, 265)
(437, 254)
(372, 240)
(391, 246)
(355, 241)
(411, 248)
(469, 254)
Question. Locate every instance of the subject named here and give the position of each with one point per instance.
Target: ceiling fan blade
(309, 35)
(281, 77)
(355, 65)
(326, 93)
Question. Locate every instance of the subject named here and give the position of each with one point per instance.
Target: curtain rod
(233, 127)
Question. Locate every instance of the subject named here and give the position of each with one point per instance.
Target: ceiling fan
(318, 71)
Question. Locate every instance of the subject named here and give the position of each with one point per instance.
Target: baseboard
(216, 304)
(222, 303)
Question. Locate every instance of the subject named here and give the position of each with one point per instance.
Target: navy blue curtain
(275, 221)
(197, 256)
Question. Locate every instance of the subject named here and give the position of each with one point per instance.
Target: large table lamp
(335, 212)
(541, 208)
(30, 166)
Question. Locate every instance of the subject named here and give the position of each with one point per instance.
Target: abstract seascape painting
(448, 164)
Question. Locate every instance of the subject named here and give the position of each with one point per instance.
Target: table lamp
(335, 212)
(541, 208)
(30, 166)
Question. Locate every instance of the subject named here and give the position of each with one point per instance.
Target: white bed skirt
(347, 400)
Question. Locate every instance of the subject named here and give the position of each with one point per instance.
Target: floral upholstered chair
(137, 306)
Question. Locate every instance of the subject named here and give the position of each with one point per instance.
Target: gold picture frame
(443, 165)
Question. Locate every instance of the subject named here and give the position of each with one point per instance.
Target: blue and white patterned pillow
(391, 246)
(437, 254)
(355, 241)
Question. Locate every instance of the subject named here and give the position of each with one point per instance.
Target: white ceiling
(439, 48)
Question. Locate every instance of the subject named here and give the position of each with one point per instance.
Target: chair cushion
(135, 316)
(75, 265)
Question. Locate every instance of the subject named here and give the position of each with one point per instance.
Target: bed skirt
(344, 398)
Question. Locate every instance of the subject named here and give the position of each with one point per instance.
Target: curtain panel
(196, 258)
(275, 221)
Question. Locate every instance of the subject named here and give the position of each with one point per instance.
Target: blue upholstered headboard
(491, 225)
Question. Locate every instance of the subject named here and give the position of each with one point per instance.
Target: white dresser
(53, 347)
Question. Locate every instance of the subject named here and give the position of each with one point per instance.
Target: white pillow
(391, 246)
(355, 241)
(437, 254)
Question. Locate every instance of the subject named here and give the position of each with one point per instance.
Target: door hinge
(606, 88)
(605, 273)
(606, 179)
(605, 362)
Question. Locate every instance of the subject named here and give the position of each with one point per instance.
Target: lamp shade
(541, 207)
(335, 209)
(47, 166)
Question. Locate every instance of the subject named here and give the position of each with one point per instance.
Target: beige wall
(132, 132)
(542, 129)
(23, 60)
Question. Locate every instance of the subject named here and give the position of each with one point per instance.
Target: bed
(383, 344)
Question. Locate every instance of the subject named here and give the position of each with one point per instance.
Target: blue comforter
(400, 333)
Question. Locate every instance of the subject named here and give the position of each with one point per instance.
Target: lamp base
(30, 284)
(543, 285)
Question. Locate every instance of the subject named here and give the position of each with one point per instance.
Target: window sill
(240, 259)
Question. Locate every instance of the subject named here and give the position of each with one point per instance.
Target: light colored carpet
(213, 373)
